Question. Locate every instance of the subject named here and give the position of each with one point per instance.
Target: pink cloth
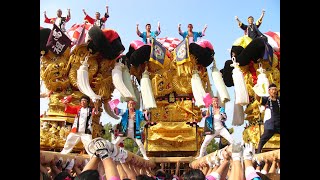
(207, 99)
(205, 44)
(136, 44)
(114, 178)
(209, 177)
(114, 103)
(251, 176)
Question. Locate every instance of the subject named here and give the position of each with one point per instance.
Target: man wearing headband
(130, 125)
(148, 34)
(190, 34)
(82, 125)
(252, 28)
(272, 124)
(59, 20)
(98, 21)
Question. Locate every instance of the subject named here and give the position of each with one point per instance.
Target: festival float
(169, 77)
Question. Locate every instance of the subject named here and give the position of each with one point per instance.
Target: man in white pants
(130, 126)
(82, 125)
(214, 126)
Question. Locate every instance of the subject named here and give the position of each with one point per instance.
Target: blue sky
(219, 15)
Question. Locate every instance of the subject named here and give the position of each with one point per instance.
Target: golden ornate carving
(172, 136)
(251, 134)
(54, 71)
(179, 111)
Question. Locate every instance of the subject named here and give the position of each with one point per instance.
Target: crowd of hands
(235, 162)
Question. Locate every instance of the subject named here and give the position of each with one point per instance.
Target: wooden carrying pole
(201, 162)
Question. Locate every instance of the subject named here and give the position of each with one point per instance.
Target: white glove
(217, 161)
(211, 165)
(248, 151)
(237, 149)
(103, 148)
(122, 155)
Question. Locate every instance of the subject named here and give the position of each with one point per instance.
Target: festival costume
(131, 129)
(214, 127)
(81, 128)
(98, 22)
(153, 34)
(59, 21)
(272, 125)
(195, 36)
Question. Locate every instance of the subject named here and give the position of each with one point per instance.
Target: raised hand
(103, 148)
(237, 149)
(248, 151)
(236, 17)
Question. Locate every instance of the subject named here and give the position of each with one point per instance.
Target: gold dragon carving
(54, 71)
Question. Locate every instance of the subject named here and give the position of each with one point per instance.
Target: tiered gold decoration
(171, 86)
(59, 75)
(253, 131)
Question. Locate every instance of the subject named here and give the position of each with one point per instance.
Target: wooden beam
(172, 159)
(203, 162)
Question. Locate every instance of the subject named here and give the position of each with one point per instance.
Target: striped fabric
(75, 31)
(273, 40)
(169, 43)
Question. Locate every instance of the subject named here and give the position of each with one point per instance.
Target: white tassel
(219, 84)
(197, 89)
(221, 104)
(118, 83)
(146, 91)
(238, 115)
(137, 95)
(127, 81)
(261, 88)
(44, 91)
(83, 81)
(241, 92)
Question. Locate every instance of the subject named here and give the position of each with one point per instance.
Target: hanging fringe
(238, 115)
(127, 81)
(197, 89)
(219, 84)
(83, 81)
(118, 81)
(241, 92)
(146, 91)
(137, 95)
(261, 88)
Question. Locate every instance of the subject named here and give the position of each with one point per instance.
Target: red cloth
(52, 20)
(110, 34)
(91, 20)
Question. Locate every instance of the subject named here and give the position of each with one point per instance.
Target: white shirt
(130, 130)
(217, 122)
(190, 39)
(58, 21)
(84, 112)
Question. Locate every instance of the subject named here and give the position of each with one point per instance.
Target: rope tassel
(118, 83)
(83, 81)
(127, 81)
(241, 92)
(219, 84)
(146, 91)
(261, 88)
(197, 89)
